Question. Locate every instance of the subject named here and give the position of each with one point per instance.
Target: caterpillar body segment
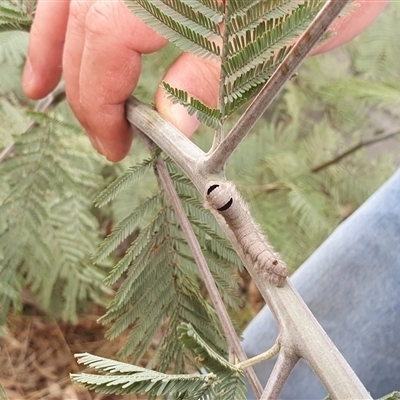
(224, 198)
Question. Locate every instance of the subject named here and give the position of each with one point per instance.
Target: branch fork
(307, 338)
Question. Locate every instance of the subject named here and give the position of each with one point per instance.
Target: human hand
(97, 45)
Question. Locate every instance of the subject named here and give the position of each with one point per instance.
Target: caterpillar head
(219, 195)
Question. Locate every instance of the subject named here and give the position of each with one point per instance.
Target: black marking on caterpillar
(224, 198)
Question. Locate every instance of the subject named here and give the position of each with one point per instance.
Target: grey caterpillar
(224, 198)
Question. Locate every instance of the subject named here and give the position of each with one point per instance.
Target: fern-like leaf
(254, 37)
(126, 179)
(179, 29)
(391, 396)
(13, 17)
(245, 20)
(213, 9)
(122, 378)
(230, 383)
(386, 94)
(49, 233)
(210, 116)
(246, 87)
(161, 278)
(205, 355)
(199, 22)
(257, 45)
(125, 228)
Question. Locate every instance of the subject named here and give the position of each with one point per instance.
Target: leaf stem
(272, 352)
(219, 133)
(217, 160)
(233, 341)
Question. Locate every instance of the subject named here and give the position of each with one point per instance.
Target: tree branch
(352, 149)
(290, 311)
(234, 345)
(217, 159)
(164, 134)
(282, 369)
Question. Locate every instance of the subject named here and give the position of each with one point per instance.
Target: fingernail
(186, 123)
(28, 74)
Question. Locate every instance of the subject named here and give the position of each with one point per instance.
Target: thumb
(198, 77)
(346, 28)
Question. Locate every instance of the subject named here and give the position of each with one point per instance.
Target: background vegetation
(49, 227)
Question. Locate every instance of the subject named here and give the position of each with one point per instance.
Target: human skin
(97, 46)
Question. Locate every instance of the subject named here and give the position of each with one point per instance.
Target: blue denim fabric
(352, 285)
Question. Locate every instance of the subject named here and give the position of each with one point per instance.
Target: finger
(42, 70)
(346, 28)
(73, 51)
(109, 71)
(200, 78)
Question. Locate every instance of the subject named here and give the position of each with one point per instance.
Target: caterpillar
(225, 199)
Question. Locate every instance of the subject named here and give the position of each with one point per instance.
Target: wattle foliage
(49, 228)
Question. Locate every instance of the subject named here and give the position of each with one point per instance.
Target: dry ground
(37, 354)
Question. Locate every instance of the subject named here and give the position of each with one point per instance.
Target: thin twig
(233, 341)
(217, 160)
(7, 151)
(352, 149)
(272, 352)
(219, 133)
(277, 185)
(282, 368)
(234, 344)
(41, 106)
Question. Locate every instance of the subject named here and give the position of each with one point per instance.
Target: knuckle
(99, 17)
(78, 9)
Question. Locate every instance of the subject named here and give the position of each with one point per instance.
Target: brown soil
(38, 355)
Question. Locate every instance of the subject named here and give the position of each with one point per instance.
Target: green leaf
(49, 231)
(247, 86)
(210, 116)
(122, 378)
(213, 9)
(13, 17)
(161, 279)
(205, 355)
(391, 396)
(179, 30)
(3, 395)
(230, 383)
(384, 94)
(249, 18)
(123, 181)
(199, 22)
(259, 44)
(125, 228)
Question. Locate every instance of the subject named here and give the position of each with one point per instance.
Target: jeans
(352, 286)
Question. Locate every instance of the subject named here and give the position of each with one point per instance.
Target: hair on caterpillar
(226, 200)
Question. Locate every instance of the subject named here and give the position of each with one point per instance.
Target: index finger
(43, 67)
